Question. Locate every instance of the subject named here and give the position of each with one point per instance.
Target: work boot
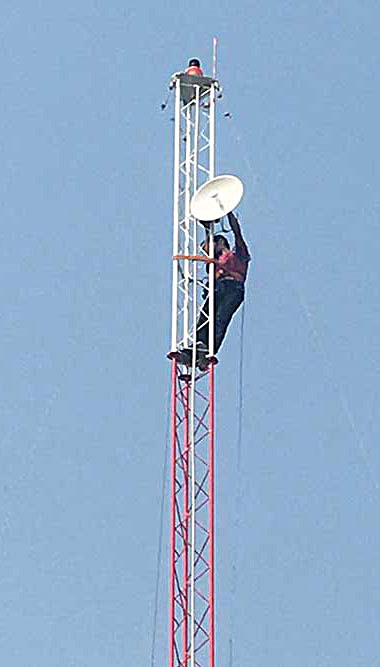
(185, 357)
(203, 363)
(202, 359)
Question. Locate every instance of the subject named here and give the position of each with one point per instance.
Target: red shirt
(233, 264)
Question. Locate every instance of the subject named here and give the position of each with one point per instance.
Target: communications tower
(191, 606)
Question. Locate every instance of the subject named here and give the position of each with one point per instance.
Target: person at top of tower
(231, 268)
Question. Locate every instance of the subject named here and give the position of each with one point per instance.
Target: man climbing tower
(231, 268)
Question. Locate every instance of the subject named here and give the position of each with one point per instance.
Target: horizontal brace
(197, 258)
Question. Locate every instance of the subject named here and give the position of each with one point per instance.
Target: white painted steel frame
(176, 193)
(194, 164)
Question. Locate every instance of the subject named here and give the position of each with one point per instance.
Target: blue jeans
(229, 294)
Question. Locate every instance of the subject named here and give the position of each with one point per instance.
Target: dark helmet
(194, 62)
(220, 237)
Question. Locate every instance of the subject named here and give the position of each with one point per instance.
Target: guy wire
(160, 535)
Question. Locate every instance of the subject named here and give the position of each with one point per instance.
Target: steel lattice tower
(191, 608)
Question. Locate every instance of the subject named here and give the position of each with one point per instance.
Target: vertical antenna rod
(214, 57)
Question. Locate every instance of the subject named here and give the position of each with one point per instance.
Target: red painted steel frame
(183, 554)
(212, 515)
(172, 507)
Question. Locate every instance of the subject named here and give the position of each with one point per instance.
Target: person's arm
(240, 244)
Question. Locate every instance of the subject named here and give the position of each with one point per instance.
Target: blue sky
(86, 206)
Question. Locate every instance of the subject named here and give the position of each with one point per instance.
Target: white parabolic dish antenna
(216, 198)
